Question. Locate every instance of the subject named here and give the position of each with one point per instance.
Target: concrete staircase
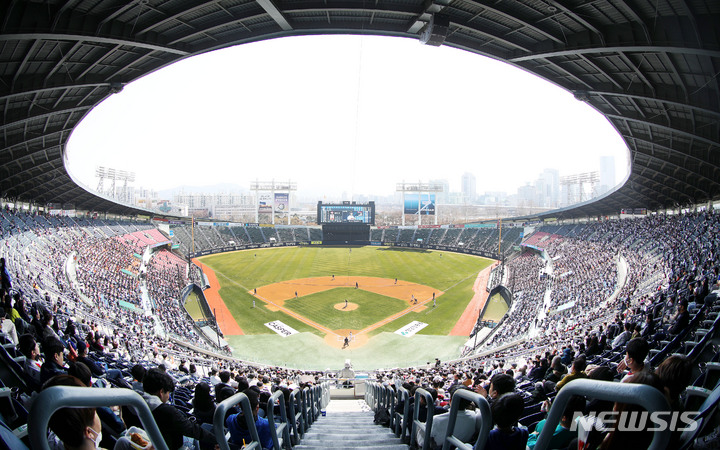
(348, 430)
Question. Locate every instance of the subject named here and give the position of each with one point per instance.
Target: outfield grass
(308, 352)
(240, 272)
(320, 307)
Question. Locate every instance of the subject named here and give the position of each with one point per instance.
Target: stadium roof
(650, 66)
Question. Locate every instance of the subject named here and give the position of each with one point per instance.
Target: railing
(638, 394)
(219, 421)
(281, 436)
(297, 406)
(51, 399)
(417, 425)
(402, 420)
(485, 421)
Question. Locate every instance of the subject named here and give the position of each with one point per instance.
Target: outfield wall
(232, 248)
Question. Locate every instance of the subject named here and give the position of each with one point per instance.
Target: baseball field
(296, 306)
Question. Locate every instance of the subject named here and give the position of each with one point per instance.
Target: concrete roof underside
(651, 67)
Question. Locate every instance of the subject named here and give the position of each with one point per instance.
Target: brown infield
(275, 295)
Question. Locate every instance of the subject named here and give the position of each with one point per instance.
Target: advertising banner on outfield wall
(282, 203)
(426, 202)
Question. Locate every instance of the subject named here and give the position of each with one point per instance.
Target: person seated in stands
(500, 384)
(622, 438)
(465, 423)
(622, 338)
(567, 355)
(596, 406)
(577, 371)
(77, 428)
(674, 373)
(539, 370)
(214, 379)
(173, 424)
(203, 404)
(648, 330)
(24, 320)
(635, 353)
(97, 369)
(82, 357)
(8, 326)
(237, 424)
(422, 412)
(47, 332)
(138, 373)
(106, 414)
(562, 434)
(224, 381)
(227, 392)
(54, 360)
(506, 435)
(30, 349)
(680, 321)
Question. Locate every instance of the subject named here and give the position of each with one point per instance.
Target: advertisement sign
(281, 329)
(282, 203)
(426, 203)
(411, 328)
(265, 203)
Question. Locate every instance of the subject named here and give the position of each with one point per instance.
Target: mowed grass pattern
(320, 307)
(240, 272)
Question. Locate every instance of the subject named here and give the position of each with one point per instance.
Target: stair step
(350, 437)
(323, 447)
(351, 430)
(344, 423)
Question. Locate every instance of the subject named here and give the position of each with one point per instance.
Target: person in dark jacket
(54, 360)
(203, 404)
(173, 424)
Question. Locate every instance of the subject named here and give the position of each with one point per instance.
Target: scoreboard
(346, 212)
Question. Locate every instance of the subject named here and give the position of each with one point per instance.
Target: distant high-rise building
(548, 188)
(468, 187)
(442, 197)
(607, 174)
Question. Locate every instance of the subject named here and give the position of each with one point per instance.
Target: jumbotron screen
(346, 212)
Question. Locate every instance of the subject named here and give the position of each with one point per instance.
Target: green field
(320, 307)
(496, 308)
(192, 305)
(240, 272)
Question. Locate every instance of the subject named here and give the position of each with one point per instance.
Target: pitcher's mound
(350, 306)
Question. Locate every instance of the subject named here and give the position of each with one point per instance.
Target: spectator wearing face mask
(77, 428)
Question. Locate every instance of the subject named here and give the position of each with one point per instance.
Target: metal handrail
(219, 421)
(485, 424)
(53, 398)
(638, 394)
(402, 421)
(417, 425)
(281, 436)
(297, 425)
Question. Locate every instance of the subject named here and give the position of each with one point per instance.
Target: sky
(341, 114)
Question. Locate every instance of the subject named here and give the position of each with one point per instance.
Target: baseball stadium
(126, 326)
